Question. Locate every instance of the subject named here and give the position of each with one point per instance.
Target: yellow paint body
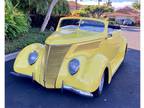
(95, 51)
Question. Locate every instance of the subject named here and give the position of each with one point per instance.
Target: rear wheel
(125, 53)
(125, 50)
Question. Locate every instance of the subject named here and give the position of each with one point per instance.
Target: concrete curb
(11, 56)
(132, 27)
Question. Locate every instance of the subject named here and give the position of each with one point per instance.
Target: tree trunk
(47, 17)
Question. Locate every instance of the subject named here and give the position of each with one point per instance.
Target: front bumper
(65, 87)
(77, 91)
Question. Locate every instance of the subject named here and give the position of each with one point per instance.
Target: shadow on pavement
(123, 92)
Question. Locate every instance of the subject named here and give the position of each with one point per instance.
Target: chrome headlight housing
(33, 56)
(74, 66)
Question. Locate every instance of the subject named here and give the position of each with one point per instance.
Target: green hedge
(33, 36)
(16, 22)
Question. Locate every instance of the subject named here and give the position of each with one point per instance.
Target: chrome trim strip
(20, 75)
(54, 57)
(47, 52)
(59, 44)
(80, 92)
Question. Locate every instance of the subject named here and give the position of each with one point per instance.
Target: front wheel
(98, 92)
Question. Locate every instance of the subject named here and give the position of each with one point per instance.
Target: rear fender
(96, 69)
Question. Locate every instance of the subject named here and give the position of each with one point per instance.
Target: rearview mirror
(51, 29)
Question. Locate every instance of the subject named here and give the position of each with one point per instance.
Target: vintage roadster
(81, 56)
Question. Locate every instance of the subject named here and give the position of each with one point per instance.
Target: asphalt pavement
(123, 92)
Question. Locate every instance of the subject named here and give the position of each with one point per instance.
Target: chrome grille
(53, 60)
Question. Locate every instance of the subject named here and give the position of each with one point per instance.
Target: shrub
(61, 8)
(79, 13)
(93, 11)
(16, 22)
(41, 7)
(136, 6)
(32, 36)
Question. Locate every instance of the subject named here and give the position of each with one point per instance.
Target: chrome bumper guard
(80, 92)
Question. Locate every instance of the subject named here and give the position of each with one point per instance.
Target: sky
(115, 3)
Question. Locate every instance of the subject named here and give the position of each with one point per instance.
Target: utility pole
(99, 2)
(138, 1)
(109, 3)
(76, 4)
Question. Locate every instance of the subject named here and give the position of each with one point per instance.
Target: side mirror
(52, 29)
(109, 35)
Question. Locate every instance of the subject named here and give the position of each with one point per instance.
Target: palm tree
(47, 17)
(43, 7)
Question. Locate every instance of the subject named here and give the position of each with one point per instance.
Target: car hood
(72, 36)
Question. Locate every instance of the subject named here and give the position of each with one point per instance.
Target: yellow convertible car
(81, 56)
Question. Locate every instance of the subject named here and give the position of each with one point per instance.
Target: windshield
(92, 25)
(70, 24)
(86, 25)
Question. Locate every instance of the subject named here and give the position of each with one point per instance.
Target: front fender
(89, 75)
(21, 64)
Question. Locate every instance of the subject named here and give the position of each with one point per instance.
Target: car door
(112, 47)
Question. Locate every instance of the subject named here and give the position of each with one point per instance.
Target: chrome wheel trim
(101, 84)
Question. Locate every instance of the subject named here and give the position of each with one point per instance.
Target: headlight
(32, 57)
(74, 65)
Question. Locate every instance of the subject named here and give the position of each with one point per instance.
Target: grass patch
(33, 36)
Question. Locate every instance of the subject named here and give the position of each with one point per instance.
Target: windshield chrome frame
(84, 18)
